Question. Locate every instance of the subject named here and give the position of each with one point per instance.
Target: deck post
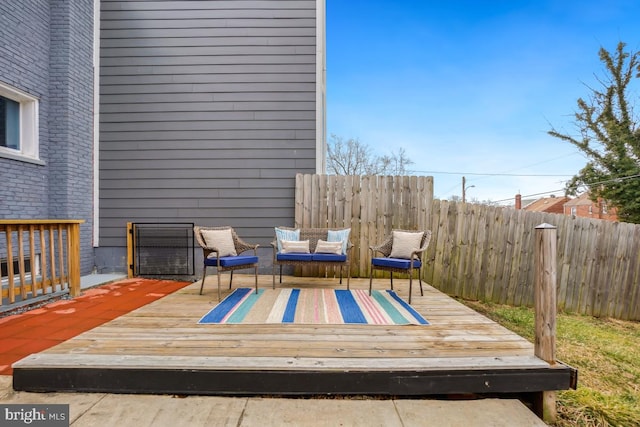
(73, 258)
(545, 311)
(130, 271)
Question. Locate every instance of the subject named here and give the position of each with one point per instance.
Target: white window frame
(29, 128)
(30, 276)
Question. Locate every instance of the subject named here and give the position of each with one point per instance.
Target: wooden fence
(370, 205)
(478, 251)
(42, 257)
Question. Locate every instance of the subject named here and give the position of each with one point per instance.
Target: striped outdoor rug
(313, 306)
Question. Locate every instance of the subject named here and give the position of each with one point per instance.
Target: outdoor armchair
(401, 252)
(223, 249)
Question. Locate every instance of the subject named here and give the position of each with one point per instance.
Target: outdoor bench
(302, 247)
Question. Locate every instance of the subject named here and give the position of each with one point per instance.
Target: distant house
(548, 204)
(159, 112)
(583, 206)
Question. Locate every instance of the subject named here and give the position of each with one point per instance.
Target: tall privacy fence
(478, 251)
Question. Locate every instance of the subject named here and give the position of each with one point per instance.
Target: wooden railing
(47, 254)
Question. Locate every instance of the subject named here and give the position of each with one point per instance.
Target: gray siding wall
(207, 112)
(46, 51)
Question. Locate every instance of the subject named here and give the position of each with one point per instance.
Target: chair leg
(281, 274)
(231, 280)
(204, 273)
(218, 271)
(370, 281)
(256, 277)
(334, 272)
(273, 274)
(391, 274)
(348, 276)
(420, 280)
(410, 284)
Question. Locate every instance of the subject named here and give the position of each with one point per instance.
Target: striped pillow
(339, 236)
(284, 234)
(329, 247)
(295, 246)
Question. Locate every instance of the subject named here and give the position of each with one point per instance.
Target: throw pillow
(404, 243)
(222, 240)
(295, 246)
(329, 247)
(283, 234)
(339, 236)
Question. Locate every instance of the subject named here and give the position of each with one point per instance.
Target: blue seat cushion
(293, 256)
(232, 261)
(395, 263)
(330, 257)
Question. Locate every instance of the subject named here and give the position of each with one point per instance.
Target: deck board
(165, 335)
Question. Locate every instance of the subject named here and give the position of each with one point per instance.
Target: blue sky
(471, 87)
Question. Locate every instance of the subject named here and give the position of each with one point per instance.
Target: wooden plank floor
(164, 335)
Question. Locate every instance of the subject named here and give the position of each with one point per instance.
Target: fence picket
(479, 251)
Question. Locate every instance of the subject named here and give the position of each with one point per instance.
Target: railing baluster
(32, 260)
(23, 278)
(43, 259)
(61, 258)
(52, 256)
(10, 272)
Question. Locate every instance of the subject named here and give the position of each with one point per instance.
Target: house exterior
(155, 111)
(583, 206)
(548, 204)
(46, 114)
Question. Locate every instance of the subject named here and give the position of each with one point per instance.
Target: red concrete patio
(36, 330)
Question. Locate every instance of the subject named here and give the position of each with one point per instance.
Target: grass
(606, 353)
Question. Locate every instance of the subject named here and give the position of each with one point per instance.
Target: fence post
(545, 311)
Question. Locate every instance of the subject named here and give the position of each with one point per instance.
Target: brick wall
(71, 118)
(24, 64)
(46, 50)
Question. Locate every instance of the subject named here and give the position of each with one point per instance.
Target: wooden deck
(160, 348)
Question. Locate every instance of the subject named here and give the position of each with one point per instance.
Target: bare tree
(353, 157)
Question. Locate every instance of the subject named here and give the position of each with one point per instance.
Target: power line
(492, 174)
(507, 173)
(529, 195)
(582, 185)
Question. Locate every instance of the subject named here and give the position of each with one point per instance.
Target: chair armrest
(424, 247)
(418, 253)
(248, 247)
(376, 249)
(206, 251)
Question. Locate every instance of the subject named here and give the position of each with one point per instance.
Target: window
(10, 125)
(18, 124)
(604, 208)
(590, 210)
(574, 210)
(4, 269)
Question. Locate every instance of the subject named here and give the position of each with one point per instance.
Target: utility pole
(464, 189)
(464, 181)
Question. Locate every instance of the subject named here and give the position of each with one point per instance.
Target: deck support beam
(223, 382)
